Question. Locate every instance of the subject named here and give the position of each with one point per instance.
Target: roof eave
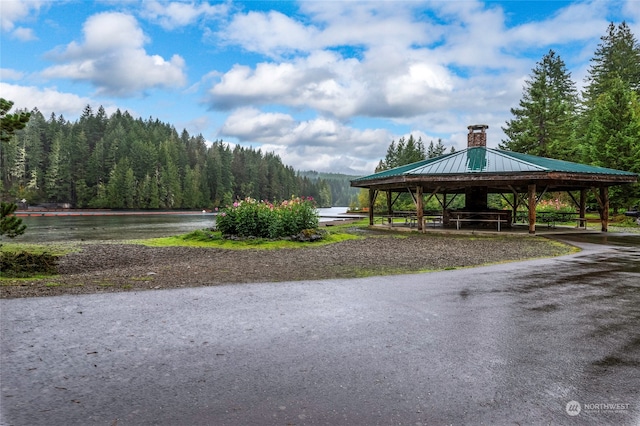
(566, 178)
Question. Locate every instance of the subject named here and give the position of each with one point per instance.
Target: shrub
(555, 206)
(23, 263)
(250, 218)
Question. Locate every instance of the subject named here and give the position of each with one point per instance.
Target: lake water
(119, 227)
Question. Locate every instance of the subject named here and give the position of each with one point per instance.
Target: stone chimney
(477, 135)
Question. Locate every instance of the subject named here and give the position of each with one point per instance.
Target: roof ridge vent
(477, 135)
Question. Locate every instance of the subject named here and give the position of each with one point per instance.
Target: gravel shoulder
(101, 268)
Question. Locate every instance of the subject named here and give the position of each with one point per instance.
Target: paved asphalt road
(503, 344)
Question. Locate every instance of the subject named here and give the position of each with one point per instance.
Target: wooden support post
(419, 208)
(389, 206)
(604, 211)
(372, 200)
(583, 206)
(532, 208)
(444, 209)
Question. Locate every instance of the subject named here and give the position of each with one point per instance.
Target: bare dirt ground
(99, 268)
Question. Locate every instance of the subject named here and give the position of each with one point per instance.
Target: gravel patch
(99, 268)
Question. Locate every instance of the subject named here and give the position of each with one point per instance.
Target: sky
(326, 85)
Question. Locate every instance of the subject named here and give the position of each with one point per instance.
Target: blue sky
(326, 85)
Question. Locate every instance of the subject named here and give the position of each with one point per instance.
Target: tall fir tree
(616, 57)
(613, 136)
(543, 124)
(406, 151)
(436, 150)
(610, 120)
(10, 225)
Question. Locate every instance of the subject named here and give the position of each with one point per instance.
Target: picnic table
(410, 218)
(498, 217)
(551, 218)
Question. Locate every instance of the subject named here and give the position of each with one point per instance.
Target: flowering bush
(262, 219)
(553, 209)
(555, 205)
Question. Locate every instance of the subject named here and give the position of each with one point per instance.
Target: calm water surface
(70, 228)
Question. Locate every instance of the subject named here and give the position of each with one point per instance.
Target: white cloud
(475, 36)
(16, 10)
(10, 74)
(423, 86)
(269, 33)
(320, 144)
(575, 22)
(113, 59)
(267, 83)
(459, 65)
(631, 8)
(175, 14)
(393, 86)
(309, 158)
(248, 124)
(330, 25)
(24, 34)
(397, 74)
(371, 24)
(47, 100)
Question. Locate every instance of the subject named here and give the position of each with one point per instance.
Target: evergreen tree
(609, 123)
(121, 190)
(613, 137)
(33, 140)
(324, 194)
(406, 151)
(83, 194)
(617, 57)
(10, 123)
(77, 156)
(191, 196)
(543, 124)
(10, 225)
(52, 175)
(411, 152)
(436, 150)
(169, 187)
(96, 167)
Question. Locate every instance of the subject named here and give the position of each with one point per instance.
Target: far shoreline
(105, 212)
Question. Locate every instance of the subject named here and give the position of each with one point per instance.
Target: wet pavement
(549, 341)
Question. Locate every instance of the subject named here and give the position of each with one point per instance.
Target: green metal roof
(490, 161)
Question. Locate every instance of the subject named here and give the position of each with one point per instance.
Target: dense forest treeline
(120, 162)
(342, 194)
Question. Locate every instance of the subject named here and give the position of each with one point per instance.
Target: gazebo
(477, 171)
